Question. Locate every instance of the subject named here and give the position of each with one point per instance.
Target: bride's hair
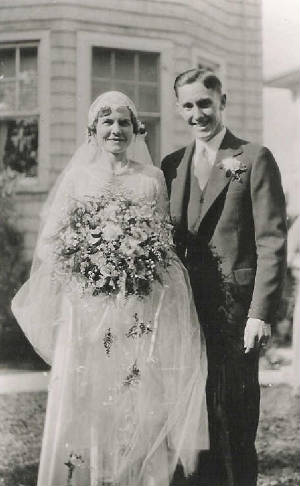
(138, 126)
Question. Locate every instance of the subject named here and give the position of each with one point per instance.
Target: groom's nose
(197, 113)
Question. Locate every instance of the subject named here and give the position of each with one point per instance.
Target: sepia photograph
(149, 243)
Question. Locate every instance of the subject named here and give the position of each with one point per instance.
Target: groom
(228, 209)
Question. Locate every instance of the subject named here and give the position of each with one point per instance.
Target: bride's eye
(125, 123)
(107, 121)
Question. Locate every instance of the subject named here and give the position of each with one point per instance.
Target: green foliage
(278, 437)
(13, 269)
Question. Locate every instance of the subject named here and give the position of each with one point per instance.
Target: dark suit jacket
(237, 224)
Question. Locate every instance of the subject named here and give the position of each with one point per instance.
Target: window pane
(126, 88)
(21, 146)
(124, 65)
(7, 63)
(148, 67)
(28, 60)
(28, 95)
(7, 95)
(99, 87)
(148, 99)
(101, 62)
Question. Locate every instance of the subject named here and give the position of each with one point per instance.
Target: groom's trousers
(233, 392)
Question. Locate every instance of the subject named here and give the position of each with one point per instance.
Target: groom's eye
(188, 106)
(206, 103)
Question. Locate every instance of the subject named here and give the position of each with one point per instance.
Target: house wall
(226, 30)
(281, 135)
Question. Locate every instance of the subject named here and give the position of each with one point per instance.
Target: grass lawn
(278, 442)
(21, 425)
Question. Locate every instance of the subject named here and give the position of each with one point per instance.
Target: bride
(126, 398)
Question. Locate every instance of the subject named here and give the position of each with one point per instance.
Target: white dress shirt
(212, 146)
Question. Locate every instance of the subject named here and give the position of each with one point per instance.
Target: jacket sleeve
(166, 168)
(269, 216)
(169, 166)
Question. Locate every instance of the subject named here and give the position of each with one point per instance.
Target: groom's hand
(256, 332)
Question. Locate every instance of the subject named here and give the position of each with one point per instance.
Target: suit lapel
(219, 179)
(181, 187)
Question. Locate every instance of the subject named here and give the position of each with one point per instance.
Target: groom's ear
(223, 101)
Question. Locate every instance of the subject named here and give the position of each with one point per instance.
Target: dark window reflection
(21, 146)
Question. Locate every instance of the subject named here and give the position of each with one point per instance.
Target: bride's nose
(115, 128)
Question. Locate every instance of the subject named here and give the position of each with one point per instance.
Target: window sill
(31, 186)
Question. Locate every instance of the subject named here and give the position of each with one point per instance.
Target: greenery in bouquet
(114, 244)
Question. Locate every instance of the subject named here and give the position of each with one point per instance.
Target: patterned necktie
(202, 167)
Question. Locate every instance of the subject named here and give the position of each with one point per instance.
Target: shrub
(14, 347)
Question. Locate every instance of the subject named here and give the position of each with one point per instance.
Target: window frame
(165, 48)
(135, 82)
(40, 39)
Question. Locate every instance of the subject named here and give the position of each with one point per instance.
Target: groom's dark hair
(207, 77)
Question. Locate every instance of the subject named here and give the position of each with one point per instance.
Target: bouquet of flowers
(113, 244)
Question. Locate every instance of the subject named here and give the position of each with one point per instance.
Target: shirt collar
(212, 146)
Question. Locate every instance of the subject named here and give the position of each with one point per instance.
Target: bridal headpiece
(113, 100)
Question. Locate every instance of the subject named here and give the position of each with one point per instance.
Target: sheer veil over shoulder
(126, 399)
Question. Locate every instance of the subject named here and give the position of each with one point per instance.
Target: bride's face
(114, 129)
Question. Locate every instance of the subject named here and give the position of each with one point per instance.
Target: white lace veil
(26, 306)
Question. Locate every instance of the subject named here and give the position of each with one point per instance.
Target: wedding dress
(123, 408)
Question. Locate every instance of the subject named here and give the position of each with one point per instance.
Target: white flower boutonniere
(233, 167)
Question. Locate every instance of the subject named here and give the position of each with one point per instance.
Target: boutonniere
(233, 168)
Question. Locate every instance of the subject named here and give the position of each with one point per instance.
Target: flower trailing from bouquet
(114, 244)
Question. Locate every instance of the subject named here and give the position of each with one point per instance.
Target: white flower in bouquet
(111, 231)
(110, 212)
(129, 246)
(140, 234)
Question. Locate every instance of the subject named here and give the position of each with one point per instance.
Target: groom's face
(201, 108)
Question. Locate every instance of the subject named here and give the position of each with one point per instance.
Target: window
(137, 75)
(19, 110)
